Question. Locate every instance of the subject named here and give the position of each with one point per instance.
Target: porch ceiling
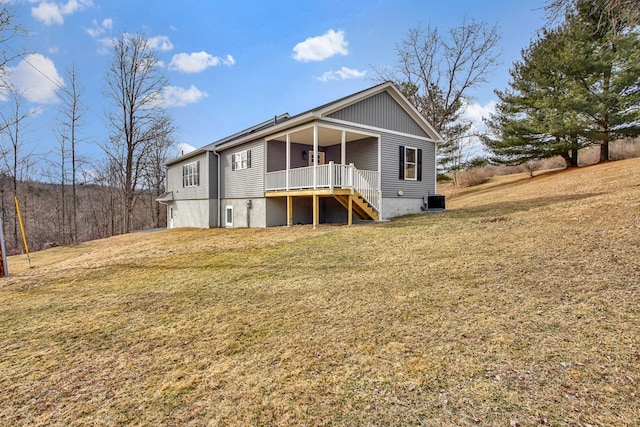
(326, 136)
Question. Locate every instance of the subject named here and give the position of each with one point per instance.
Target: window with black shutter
(410, 163)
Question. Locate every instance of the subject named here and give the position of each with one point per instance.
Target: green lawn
(516, 306)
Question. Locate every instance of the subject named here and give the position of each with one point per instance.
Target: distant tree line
(118, 195)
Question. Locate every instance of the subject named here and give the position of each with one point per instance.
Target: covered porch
(325, 160)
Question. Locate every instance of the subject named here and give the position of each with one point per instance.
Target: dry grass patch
(517, 306)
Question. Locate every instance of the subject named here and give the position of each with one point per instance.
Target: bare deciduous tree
(618, 14)
(436, 72)
(72, 111)
(154, 176)
(13, 125)
(135, 83)
(8, 31)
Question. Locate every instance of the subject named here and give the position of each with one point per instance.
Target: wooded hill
(47, 213)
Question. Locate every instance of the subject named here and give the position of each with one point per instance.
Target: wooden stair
(360, 206)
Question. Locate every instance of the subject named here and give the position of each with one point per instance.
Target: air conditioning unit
(433, 202)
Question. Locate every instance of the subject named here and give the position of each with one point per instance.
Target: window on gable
(410, 163)
(241, 160)
(191, 174)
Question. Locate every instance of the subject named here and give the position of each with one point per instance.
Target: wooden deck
(351, 200)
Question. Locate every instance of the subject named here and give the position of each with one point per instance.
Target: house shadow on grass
(488, 211)
(508, 207)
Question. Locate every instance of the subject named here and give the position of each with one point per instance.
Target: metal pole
(3, 248)
(24, 236)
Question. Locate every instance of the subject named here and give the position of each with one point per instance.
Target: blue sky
(233, 64)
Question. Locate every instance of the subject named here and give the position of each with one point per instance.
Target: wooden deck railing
(331, 176)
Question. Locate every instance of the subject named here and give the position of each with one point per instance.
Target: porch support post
(315, 155)
(351, 183)
(380, 177)
(316, 209)
(289, 211)
(331, 174)
(350, 214)
(343, 148)
(288, 155)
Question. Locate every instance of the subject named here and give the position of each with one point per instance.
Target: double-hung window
(410, 157)
(410, 163)
(191, 174)
(241, 160)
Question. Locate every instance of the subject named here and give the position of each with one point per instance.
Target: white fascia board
(186, 156)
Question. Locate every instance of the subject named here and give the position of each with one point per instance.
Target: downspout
(219, 207)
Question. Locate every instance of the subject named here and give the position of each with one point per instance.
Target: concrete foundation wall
(257, 214)
(191, 213)
(396, 206)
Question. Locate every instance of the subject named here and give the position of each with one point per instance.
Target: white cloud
(174, 96)
(475, 113)
(37, 78)
(198, 61)
(160, 43)
(105, 45)
(49, 12)
(343, 73)
(321, 47)
(184, 148)
(99, 29)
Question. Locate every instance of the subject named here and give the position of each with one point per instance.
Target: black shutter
(419, 165)
(184, 176)
(233, 162)
(248, 159)
(401, 172)
(197, 173)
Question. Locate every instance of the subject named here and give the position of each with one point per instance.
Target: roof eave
(292, 122)
(187, 156)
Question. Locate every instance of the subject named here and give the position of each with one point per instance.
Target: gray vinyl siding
(277, 155)
(244, 183)
(363, 154)
(174, 179)
(391, 183)
(380, 111)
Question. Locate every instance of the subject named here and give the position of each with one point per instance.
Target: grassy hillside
(517, 306)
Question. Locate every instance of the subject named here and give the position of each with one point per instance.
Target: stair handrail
(361, 183)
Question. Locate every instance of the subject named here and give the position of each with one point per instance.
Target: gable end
(381, 111)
